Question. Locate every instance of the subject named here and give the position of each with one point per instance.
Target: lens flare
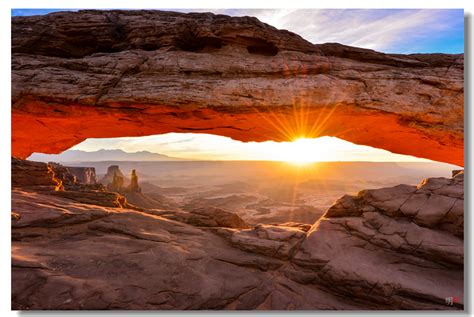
(300, 152)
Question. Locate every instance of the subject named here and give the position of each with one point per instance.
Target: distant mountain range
(101, 155)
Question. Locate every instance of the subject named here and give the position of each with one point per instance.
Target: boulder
(391, 245)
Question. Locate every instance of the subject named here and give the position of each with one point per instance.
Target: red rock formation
(85, 74)
(85, 175)
(113, 171)
(204, 217)
(30, 174)
(134, 182)
(117, 183)
(56, 179)
(387, 255)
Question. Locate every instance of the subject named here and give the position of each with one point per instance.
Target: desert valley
(258, 191)
(206, 223)
(145, 231)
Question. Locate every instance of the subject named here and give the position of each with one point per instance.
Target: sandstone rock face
(33, 174)
(273, 241)
(373, 251)
(96, 197)
(85, 175)
(152, 72)
(109, 176)
(116, 182)
(204, 217)
(61, 176)
(44, 178)
(103, 258)
(28, 174)
(435, 203)
(390, 246)
(134, 182)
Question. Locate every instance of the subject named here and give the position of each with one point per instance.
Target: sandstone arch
(86, 74)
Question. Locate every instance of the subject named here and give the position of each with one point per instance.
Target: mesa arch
(90, 74)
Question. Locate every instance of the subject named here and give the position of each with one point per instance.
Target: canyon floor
(398, 247)
(262, 192)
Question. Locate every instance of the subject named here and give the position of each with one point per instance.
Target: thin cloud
(402, 31)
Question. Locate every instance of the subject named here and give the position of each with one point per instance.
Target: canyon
(83, 247)
(78, 244)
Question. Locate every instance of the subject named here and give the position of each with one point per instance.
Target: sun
(300, 152)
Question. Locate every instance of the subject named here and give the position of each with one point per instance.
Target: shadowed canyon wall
(91, 74)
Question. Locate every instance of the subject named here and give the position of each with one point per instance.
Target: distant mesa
(84, 175)
(115, 180)
(101, 155)
(113, 171)
(80, 184)
(75, 183)
(33, 174)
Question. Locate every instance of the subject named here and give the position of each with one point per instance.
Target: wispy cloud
(384, 30)
(387, 30)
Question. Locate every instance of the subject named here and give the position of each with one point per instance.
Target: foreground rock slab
(124, 259)
(382, 246)
(377, 250)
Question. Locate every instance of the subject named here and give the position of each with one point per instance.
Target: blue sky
(386, 30)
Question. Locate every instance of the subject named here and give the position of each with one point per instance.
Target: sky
(215, 147)
(387, 30)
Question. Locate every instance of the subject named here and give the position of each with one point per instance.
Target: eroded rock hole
(193, 43)
(258, 46)
(266, 50)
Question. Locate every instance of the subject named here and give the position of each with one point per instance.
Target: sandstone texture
(85, 175)
(389, 248)
(77, 75)
(205, 217)
(58, 180)
(112, 170)
(29, 174)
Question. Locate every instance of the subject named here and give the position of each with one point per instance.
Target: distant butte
(78, 75)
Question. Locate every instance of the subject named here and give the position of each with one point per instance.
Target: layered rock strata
(77, 75)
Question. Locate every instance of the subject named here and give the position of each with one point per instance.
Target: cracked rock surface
(382, 249)
(381, 246)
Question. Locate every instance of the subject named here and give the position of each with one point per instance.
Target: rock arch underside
(91, 74)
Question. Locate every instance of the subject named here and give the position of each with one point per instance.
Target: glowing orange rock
(134, 182)
(59, 183)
